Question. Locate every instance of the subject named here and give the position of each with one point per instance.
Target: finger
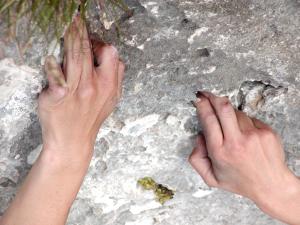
(121, 70)
(226, 115)
(108, 59)
(210, 123)
(245, 123)
(77, 52)
(201, 163)
(86, 50)
(54, 73)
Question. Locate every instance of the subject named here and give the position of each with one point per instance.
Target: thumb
(54, 73)
(201, 162)
(57, 88)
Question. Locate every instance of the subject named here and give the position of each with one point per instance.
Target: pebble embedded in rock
(203, 52)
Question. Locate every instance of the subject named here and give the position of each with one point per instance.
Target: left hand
(80, 96)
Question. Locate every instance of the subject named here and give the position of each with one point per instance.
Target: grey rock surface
(246, 49)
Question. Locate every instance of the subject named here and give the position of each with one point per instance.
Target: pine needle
(50, 17)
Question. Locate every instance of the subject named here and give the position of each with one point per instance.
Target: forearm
(48, 191)
(284, 202)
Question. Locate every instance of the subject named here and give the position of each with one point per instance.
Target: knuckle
(225, 105)
(76, 56)
(251, 136)
(88, 91)
(239, 146)
(268, 134)
(236, 145)
(85, 43)
(220, 157)
(85, 46)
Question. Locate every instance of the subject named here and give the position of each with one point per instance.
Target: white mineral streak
(149, 3)
(139, 126)
(202, 193)
(33, 155)
(172, 120)
(210, 69)
(197, 33)
(138, 208)
(141, 47)
(144, 221)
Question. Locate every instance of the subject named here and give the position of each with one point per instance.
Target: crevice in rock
(252, 95)
(6, 182)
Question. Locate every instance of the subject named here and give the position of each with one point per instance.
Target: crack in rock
(252, 95)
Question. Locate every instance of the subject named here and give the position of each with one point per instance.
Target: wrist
(281, 199)
(60, 158)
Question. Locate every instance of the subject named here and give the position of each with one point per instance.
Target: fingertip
(111, 51)
(105, 53)
(202, 94)
(108, 60)
(200, 102)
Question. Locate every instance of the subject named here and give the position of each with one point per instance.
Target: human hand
(242, 155)
(71, 110)
(80, 96)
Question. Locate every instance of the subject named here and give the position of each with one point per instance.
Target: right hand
(242, 155)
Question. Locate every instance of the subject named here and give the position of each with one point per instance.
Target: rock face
(246, 49)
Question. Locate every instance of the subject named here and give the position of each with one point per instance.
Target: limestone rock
(253, 50)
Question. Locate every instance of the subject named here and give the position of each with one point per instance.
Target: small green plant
(56, 14)
(20, 19)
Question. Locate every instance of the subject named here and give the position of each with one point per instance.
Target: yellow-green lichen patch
(147, 183)
(162, 193)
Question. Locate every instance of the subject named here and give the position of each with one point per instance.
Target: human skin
(245, 156)
(71, 110)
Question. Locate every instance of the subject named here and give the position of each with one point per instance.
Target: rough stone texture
(246, 49)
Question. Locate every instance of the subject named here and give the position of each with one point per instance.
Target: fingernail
(199, 94)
